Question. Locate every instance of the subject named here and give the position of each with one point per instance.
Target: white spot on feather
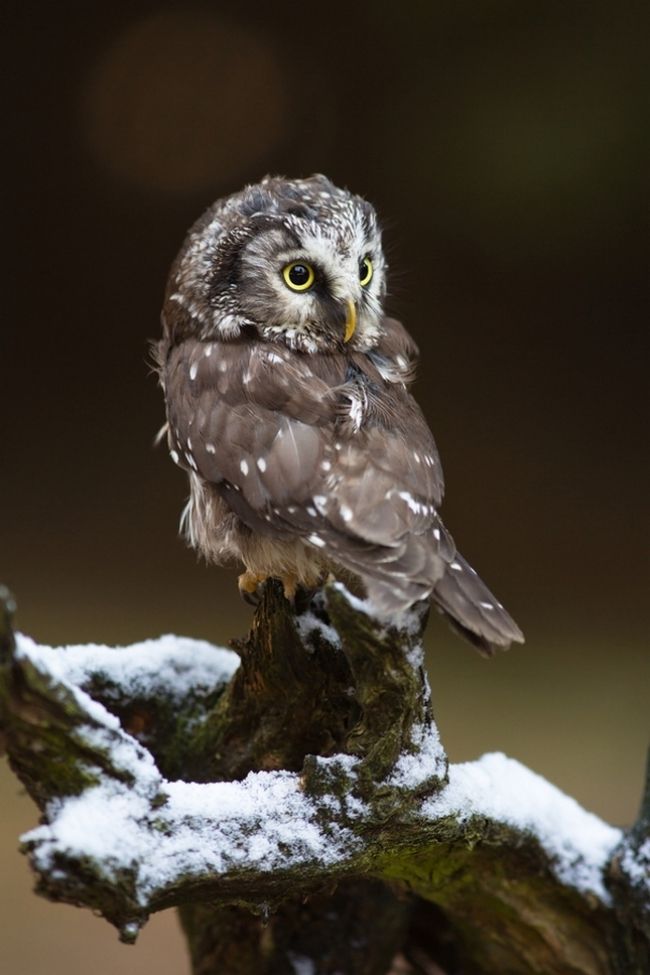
(456, 566)
(243, 467)
(346, 513)
(356, 411)
(486, 605)
(316, 540)
(210, 447)
(261, 463)
(415, 506)
(193, 370)
(229, 325)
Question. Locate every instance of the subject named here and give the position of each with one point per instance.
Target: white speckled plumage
(307, 452)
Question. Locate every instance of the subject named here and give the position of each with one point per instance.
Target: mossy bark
(413, 895)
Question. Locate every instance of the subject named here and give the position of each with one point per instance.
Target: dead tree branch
(297, 805)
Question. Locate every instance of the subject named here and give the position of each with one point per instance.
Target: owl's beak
(350, 320)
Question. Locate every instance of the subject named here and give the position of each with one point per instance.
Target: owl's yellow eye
(365, 271)
(298, 276)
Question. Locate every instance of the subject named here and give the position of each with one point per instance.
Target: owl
(286, 389)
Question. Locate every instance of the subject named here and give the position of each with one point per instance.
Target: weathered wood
(337, 701)
(631, 936)
(357, 926)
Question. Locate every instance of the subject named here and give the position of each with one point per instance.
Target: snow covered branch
(303, 778)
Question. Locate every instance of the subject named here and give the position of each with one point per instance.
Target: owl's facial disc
(313, 286)
(300, 261)
(300, 277)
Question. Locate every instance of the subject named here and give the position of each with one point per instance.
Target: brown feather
(304, 453)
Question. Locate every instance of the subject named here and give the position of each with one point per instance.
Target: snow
(636, 864)
(136, 822)
(160, 830)
(408, 621)
(263, 823)
(308, 622)
(414, 652)
(122, 751)
(413, 769)
(171, 665)
(502, 789)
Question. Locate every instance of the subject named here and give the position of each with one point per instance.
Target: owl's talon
(252, 598)
(290, 586)
(248, 586)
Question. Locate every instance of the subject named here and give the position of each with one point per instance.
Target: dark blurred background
(503, 145)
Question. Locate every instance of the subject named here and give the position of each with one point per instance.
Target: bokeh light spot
(183, 100)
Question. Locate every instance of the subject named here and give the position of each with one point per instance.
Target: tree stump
(295, 803)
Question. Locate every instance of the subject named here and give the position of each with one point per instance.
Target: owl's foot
(248, 585)
(299, 596)
(290, 585)
(249, 582)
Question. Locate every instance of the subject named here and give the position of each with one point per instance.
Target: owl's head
(298, 261)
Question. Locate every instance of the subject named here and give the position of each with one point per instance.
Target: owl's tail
(471, 609)
(400, 578)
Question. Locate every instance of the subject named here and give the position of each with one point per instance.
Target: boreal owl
(286, 388)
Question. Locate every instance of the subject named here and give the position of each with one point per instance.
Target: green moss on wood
(476, 895)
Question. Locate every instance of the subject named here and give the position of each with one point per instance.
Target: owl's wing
(297, 447)
(305, 446)
(396, 354)
(250, 420)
